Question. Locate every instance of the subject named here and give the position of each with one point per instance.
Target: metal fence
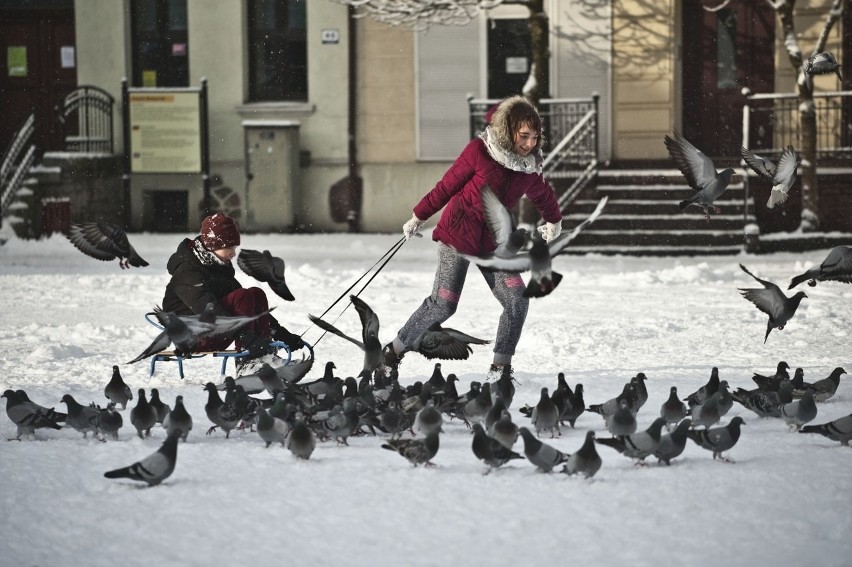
(771, 122)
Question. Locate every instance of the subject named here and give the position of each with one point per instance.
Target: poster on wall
(165, 132)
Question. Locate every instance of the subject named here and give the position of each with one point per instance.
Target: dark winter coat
(462, 224)
(194, 285)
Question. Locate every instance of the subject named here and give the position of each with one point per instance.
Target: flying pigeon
(81, 418)
(827, 387)
(445, 343)
(585, 460)
(799, 412)
(638, 445)
(510, 239)
(822, 63)
(772, 301)
(700, 173)
(156, 467)
(489, 450)
(301, 441)
(718, 439)
(116, 390)
(27, 415)
(417, 451)
(672, 444)
(265, 267)
(542, 455)
(105, 241)
(838, 430)
(836, 267)
(537, 260)
(178, 419)
(369, 342)
(782, 176)
(143, 416)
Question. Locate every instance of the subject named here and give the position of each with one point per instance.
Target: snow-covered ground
(66, 319)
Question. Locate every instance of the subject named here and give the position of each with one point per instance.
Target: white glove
(412, 227)
(550, 231)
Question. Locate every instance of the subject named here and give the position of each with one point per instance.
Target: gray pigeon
(489, 450)
(701, 394)
(637, 445)
(585, 460)
(609, 407)
(27, 415)
(827, 387)
(700, 173)
(641, 391)
(369, 342)
(505, 431)
(542, 455)
(545, 416)
(143, 416)
(772, 301)
(105, 241)
(116, 390)
(301, 441)
(800, 412)
(718, 439)
(726, 402)
(223, 416)
(178, 419)
(265, 267)
(156, 467)
(271, 429)
(428, 420)
(272, 383)
(110, 421)
(622, 422)
(763, 403)
(510, 240)
(417, 451)
(773, 383)
(81, 418)
(476, 409)
(706, 414)
(838, 430)
(673, 410)
(393, 420)
(578, 406)
(836, 267)
(494, 415)
(672, 444)
(822, 63)
(537, 260)
(159, 406)
(504, 387)
(445, 343)
(781, 176)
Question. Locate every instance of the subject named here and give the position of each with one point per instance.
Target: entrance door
(723, 52)
(38, 68)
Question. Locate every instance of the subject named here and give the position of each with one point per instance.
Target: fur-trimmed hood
(500, 142)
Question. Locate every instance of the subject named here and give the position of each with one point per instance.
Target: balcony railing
(771, 122)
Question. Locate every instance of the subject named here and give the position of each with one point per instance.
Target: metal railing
(771, 122)
(14, 167)
(571, 138)
(86, 116)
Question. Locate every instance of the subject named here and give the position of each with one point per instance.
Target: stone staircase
(642, 216)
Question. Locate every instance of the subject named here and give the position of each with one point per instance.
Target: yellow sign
(165, 132)
(16, 60)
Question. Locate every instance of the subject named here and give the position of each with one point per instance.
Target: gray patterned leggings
(507, 287)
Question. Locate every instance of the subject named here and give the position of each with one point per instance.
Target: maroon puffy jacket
(462, 225)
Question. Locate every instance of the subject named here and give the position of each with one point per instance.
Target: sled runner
(225, 355)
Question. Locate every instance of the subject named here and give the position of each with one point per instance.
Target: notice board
(165, 132)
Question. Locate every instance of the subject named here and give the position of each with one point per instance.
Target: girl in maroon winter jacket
(507, 157)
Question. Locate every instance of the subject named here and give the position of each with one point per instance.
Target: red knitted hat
(219, 231)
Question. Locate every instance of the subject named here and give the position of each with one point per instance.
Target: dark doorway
(508, 57)
(38, 68)
(169, 211)
(723, 52)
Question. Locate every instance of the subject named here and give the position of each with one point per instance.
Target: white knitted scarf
(531, 163)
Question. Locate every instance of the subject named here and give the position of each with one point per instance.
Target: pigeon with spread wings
(700, 173)
(772, 301)
(265, 267)
(105, 241)
(782, 175)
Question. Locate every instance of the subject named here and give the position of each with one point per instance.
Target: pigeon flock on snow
(411, 420)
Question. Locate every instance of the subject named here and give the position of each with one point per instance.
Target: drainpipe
(355, 182)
